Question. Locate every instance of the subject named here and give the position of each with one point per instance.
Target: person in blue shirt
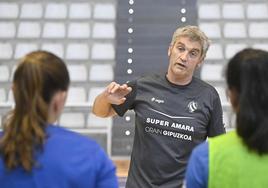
(34, 151)
(240, 158)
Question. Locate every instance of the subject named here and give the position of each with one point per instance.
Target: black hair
(247, 74)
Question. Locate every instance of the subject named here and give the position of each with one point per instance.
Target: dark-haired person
(238, 159)
(174, 111)
(35, 152)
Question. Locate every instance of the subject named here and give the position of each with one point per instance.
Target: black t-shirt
(170, 120)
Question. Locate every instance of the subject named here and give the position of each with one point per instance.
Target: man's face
(184, 57)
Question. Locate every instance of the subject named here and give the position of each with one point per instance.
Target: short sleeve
(216, 126)
(106, 172)
(197, 169)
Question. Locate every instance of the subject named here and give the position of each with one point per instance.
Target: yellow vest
(232, 165)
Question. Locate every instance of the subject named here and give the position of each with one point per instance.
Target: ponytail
(22, 130)
(33, 86)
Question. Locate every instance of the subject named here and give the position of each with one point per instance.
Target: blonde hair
(195, 34)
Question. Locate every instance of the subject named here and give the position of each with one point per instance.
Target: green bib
(232, 165)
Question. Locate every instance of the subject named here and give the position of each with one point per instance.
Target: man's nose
(184, 56)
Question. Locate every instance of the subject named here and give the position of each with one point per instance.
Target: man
(174, 112)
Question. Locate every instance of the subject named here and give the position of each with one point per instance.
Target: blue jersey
(68, 160)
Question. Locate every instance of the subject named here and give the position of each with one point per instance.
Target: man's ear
(169, 50)
(199, 64)
(201, 61)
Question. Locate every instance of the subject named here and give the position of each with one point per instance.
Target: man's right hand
(115, 93)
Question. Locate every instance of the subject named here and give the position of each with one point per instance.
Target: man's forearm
(102, 107)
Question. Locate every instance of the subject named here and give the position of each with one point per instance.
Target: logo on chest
(192, 106)
(159, 101)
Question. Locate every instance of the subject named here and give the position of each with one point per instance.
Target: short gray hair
(195, 34)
